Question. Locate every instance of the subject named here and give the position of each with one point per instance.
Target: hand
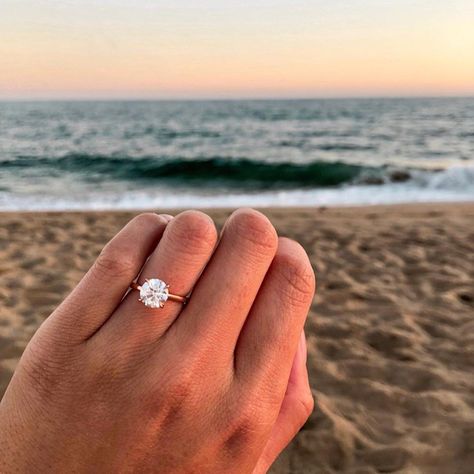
(219, 385)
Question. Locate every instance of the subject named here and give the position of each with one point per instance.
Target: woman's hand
(218, 385)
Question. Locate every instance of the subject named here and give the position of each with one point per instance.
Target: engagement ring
(154, 293)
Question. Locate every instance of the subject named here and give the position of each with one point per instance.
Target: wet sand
(390, 334)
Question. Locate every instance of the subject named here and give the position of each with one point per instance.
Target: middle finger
(224, 294)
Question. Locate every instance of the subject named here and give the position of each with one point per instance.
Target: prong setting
(153, 293)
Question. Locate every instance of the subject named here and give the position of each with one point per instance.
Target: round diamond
(154, 293)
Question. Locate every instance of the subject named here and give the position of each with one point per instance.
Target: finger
(225, 292)
(178, 260)
(100, 291)
(296, 408)
(269, 338)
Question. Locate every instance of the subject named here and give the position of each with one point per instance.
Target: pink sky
(119, 48)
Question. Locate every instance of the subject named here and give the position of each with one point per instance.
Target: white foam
(455, 184)
(350, 196)
(453, 178)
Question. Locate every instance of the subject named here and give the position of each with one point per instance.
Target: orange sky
(92, 48)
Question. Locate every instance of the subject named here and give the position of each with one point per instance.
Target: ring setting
(155, 292)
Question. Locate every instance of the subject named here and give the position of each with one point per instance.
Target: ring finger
(178, 260)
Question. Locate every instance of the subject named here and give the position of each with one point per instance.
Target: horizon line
(230, 98)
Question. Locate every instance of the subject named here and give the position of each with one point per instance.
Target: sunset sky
(231, 48)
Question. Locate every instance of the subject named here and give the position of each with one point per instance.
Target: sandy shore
(390, 334)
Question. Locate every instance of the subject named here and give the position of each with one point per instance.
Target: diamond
(154, 293)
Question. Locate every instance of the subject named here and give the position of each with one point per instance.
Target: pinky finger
(295, 410)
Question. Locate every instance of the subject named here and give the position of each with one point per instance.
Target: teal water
(299, 152)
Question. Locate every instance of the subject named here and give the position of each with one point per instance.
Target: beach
(390, 333)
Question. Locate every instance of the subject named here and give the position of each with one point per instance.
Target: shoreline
(320, 208)
(330, 198)
(390, 332)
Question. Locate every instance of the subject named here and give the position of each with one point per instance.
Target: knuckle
(106, 372)
(242, 431)
(181, 390)
(119, 258)
(114, 262)
(193, 230)
(305, 407)
(147, 219)
(255, 228)
(297, 275)
(173, 397)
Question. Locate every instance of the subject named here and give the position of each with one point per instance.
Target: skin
(219, 385)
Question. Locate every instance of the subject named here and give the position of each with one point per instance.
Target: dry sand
(390, 334)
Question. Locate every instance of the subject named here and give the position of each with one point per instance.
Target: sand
(390, 334)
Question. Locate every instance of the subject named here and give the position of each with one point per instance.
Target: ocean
(147, 154)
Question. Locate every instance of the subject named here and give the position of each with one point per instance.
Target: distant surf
(122, 155)
(238, 173)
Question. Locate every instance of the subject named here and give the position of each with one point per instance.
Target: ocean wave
(220, 173)
(201, 172)
(452, 178)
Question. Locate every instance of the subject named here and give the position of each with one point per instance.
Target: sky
(235, 48)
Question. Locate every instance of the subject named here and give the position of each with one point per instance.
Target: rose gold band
(177, 298)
